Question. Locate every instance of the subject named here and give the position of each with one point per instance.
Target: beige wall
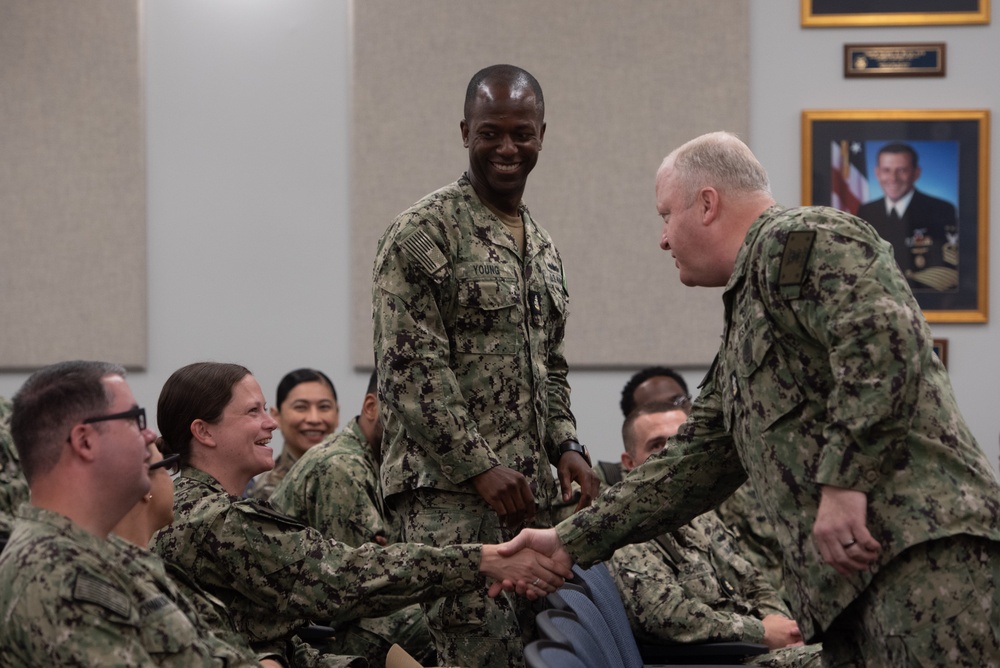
(248, 108)
(613, 75)
(72, 182)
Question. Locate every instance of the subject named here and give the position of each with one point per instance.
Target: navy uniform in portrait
(922, 229)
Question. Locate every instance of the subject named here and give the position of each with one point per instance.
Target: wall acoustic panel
(624, 82)
(72, 183)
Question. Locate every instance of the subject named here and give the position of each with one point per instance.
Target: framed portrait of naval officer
(920, 178)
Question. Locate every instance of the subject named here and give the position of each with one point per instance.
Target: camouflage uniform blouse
(13, 486)
(691, 585)
(274, 574)
(826, 376)
(469, 346)
(334, 488)
(264, 485)
(67, 598)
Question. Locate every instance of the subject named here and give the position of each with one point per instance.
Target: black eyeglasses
(138, 414)
(171, 463)
(681, 401)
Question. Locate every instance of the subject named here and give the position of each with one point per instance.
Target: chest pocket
(698, 581)
(273, 541)
(558, 306)
(489, 316)
(763, 388)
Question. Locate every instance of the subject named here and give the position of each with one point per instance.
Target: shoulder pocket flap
(754, 345)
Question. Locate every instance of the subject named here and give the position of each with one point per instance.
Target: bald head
(719, 160)
(511, 77)
(708, 193)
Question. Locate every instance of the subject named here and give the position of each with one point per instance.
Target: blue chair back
(595, 623)
(550, 654)
(566, 628)
(605, 595)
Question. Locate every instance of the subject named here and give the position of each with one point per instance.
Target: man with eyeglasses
(65, 595)
(654, 384)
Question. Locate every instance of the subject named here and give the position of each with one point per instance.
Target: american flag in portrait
(849, 189)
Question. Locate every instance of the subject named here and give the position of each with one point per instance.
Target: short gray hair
(720, 160)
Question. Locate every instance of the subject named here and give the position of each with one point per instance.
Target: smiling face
(307, 415)
(243, 432)
(896, 174)
(503, 133)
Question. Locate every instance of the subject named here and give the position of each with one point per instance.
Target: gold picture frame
(838, 13)
(839, 155)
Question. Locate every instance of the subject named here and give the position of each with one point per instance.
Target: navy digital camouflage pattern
(826, 376)
(469, 346)
(13, 486)
(468, 339)
(263, 486)
(68, 597)
(334, 488)
(744, 516)
(692, 585)
(274, 574)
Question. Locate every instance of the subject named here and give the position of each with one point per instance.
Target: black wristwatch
(573, 446)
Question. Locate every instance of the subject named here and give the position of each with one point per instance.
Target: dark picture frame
(839, 13)
(839, 153)
(910, 59)
(941, 350)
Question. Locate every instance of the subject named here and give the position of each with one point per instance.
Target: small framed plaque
(894, 60)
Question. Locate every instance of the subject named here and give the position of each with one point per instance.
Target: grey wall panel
(72, 183)
(624, 83)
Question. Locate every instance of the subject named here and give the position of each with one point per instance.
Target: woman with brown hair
(273, 573)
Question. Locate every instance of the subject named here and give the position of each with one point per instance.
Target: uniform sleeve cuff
(850, 471)
(753, 630)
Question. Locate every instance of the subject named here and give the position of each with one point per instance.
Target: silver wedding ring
(847, 545)
(535, 583)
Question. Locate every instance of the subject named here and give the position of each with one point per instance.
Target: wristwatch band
(573, 446)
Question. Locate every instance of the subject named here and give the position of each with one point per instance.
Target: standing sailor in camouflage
(692, 584)
(273, 573)
(826, 393)
(67, 595)
(335, 489)
(470, 310)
